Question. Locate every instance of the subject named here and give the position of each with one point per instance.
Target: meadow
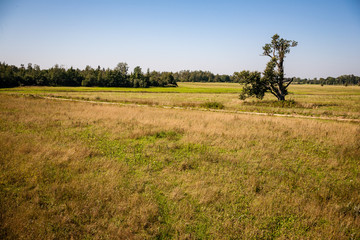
(159, 166)
(310, 100)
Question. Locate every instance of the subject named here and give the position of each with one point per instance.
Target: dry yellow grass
(93, 171)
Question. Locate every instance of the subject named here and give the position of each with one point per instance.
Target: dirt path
(207, 110)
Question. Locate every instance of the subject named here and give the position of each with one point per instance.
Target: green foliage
(213, 105)
(12, 76)
(172, 135)
(269, 103)
(200, 76)
(167, 78)
(273, 77)
(345, 80)
(122, 68)
(278, 47)
(254, 85)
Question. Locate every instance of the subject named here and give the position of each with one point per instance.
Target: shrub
(282, 104)
(213, 105)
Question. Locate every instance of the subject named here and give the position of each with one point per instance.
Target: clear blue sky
(221, 36)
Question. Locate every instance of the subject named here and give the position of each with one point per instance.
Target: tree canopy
(12, 76)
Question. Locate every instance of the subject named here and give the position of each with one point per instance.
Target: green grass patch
(183, 88)
(274, 103)
(213, 105)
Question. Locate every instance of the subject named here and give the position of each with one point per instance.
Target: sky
(221, 36)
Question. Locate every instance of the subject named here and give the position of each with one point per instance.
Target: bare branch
(292, 79)
(273, 93)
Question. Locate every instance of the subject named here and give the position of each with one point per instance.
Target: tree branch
(274, 90)
(273, 93)
(292, 79)
(267, 54)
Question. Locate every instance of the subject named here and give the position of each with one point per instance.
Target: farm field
(91, 170)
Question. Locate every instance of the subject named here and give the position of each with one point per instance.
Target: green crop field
(160, 163)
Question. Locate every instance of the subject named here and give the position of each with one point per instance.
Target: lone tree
(273, 80)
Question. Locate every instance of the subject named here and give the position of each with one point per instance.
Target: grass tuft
(212, 105)
(274, 103)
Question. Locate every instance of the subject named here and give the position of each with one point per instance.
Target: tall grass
(213, 105)
(83, 170)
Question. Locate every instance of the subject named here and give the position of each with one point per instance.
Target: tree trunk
(281, 97)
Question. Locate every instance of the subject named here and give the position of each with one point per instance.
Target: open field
(97, 171)
(183, 88)
(311, 100)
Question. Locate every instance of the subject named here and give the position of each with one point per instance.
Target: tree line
(12, 76)
(341, 80)
(32, 75)
(201, 76)
(346, 80)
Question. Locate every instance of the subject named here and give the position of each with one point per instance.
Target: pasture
(155, 164)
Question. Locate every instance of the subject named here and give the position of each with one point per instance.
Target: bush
(282, 104)
(213, 105)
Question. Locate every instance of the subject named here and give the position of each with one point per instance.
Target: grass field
(311, 100)
(84, 170)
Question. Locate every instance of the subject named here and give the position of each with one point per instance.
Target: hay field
(97, 171)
